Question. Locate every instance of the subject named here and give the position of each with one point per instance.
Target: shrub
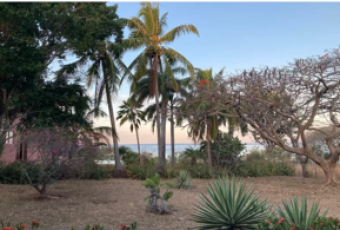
(226, 149)
(228, 207)
(157, 202)
(264, 168)
(192, 156)
(12, 174)
(183, 180)
(127, 155)
(256, 164)
(60, 151)
(205, 171)
(141, 172)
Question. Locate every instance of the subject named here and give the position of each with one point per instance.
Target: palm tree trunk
(208, 138)
(172, 136)
(164, 108)
(118, 166)
(137, 137)
(154, 82)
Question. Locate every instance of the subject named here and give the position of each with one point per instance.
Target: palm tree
(130, 111)
(168, 88)
(193, 155)
(206, 124)
(103, 74)
(148, 32)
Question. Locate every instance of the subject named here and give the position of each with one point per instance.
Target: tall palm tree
(168, 88)
(130, 111)
(102, 73)
(148, 32)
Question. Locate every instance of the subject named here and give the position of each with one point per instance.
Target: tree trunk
(138, 144)
(118, 166)
(164, 108)
(154, 88)
(303, 160)
(172, 136)
(303, 163)
(208, 139)
(329, 170)
(269, 150)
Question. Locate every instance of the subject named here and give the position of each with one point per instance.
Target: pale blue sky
(244, 35)
(238, 36)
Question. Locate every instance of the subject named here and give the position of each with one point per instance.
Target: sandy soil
(120, 201)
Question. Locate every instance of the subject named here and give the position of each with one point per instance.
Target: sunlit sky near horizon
(239, 36)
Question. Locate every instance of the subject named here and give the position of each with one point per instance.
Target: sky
(237, 36)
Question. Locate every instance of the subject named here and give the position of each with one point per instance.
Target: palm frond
(172, 54)
(177, 31)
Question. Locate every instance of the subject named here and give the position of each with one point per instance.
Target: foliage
(298, 214)
(148, 32)
(58, 150)
(127, 155)
(141, 171)
(276, 223)
(257, 164)
(31, 42)
(12, 174)
(183, 180)
(193, 155)
(153, 184)
(226, 150)
(264, 168)
(229, 207)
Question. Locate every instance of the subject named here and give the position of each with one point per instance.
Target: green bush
(141, 172)
(263, 168)
(257, 164)
(128, 156)
(228, 206)
(12, 174)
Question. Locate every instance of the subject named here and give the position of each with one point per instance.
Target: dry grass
(117, 201)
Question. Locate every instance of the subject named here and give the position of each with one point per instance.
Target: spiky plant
(183, 180)
(298, 214)
(228, 206)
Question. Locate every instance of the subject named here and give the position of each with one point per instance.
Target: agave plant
(228, 206)
(183, 180)
(298, 214)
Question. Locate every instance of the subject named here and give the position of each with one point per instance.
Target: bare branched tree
(294, 100)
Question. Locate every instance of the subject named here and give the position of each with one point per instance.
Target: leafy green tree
(226, 150)
(41, 34)
(130, 111)
(148, 32)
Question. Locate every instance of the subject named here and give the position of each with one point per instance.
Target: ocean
(153, 148)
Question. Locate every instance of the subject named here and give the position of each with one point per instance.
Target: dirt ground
(120, 201)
